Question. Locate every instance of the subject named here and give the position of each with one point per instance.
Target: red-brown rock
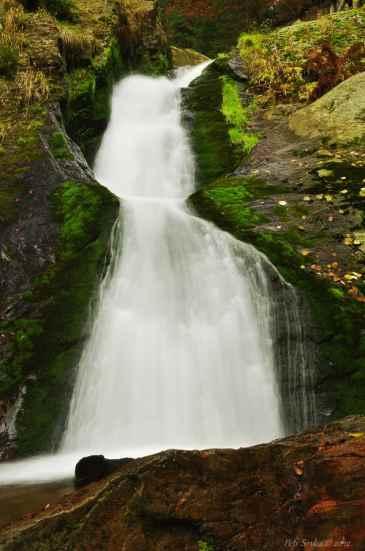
(305, 492)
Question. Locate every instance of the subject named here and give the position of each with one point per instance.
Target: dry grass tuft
(32, 85)
(76, 46)
(14, 20)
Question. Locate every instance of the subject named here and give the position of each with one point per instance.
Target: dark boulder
(95, 467)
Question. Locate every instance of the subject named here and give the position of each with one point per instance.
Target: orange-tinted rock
(248, 499)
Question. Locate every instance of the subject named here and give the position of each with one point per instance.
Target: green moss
(59, 146)
(214, 151)
(87, 108)
(85, 213)
(237, 116)
(9, 59)
(231, 204)
(339, 321)
(78, 205)
(19, 337)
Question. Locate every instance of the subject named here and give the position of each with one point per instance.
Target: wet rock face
(290, 493)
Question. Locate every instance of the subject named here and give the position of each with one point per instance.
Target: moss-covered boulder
(337, 117)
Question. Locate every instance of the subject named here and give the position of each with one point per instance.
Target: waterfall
(180, 352)
(196, 341)
(189, 346)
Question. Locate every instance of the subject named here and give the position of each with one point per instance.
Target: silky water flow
(181, 350)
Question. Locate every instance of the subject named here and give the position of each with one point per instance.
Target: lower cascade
(181, 350)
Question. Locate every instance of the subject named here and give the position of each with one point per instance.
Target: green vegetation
(59, 146)
(229, 200)
(87, 106)
(292, 62)
(9, 59)
(78, 205)
(339, 319)
(213, 148)
(85, 213)
(18, 338)
(237, 116)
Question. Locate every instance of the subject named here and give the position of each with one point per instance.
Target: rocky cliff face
(302, 492)
(55, 80)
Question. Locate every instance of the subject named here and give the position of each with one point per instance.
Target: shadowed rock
(95, 467)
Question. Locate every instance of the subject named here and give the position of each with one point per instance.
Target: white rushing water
(180, 354)
(181, 349)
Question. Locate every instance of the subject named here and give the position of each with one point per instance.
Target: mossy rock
(338, 321)
(86, 213)
(337, 117)
(216, 154)
(87, 107)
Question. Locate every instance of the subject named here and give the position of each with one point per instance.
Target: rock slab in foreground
(338, 116)
(301, 492)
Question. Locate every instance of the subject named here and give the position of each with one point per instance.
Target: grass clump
(237, 116)
(32, 85)
(77, 47)
(304, 60)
